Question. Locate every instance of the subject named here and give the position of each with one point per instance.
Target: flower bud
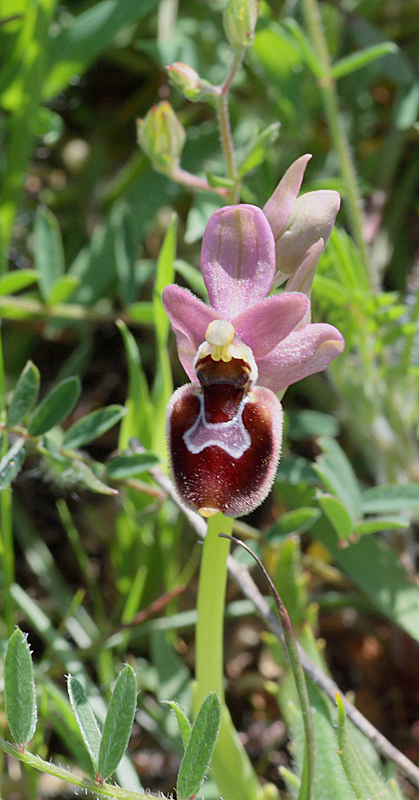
(161, 136)
(240, 19)
(311, 219)
(187, 80)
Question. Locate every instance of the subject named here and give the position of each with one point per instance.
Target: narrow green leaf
(165, 275)
(85, 718)
(337, 474)
(62, 289)
(297, 521)
(183, 722)
(390, 499)
(138, 420)
(310, 424)
(349, 64)
(24, 395)
(219, 180)
(129, 465)
(124, 254)
(80, 472)
(118, 723)
(366, 783)
(18, 279)
(55, 407)
(200, 747)
(260, 149)
(337, 515)
(12, 463)
(387, 585)
(48, 249)
(304, 46)
(377, 524)
(193, 276)
(19, 688)
(93, 425)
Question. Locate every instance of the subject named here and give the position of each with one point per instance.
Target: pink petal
(302, 353)
(278, 207)
(237, 259)
(265, 324)
(312, 218)
(190, 318)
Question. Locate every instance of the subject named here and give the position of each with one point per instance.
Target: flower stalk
(230, 766)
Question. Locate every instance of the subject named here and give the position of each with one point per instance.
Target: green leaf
(310, 424)
(12, 462)
(183, 722)
(296, 470)
(377, 524)
(349, 64)
(62, 289)
(118, 723)
(85, 718)
(297, 521)
(24, 395)
(376, 570)
(124, 254)
(260, 149)
(192, 276)
(129, 465)
(92, 426)
(200, 747)
(55, 407)
(19, 688)
(48, 250)
(137, 422)
(18, 279)
(390, 499)
(337, 515)
(80, 472)
(219, 181)
(165, 274)
(338, 476)
(365, 782)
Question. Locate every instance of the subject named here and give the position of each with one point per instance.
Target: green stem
(223, 116)
(89, 785)
(307, 777)
(6, 527)
(231, 768)
(327, 86)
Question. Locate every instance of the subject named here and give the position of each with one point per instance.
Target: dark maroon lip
(235, 372)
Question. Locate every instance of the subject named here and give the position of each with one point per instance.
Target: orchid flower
(225, 428)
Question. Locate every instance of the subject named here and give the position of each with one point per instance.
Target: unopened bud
(161, 136)
(240, 19)
(187, 80)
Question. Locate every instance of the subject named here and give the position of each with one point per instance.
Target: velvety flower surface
(225, 428)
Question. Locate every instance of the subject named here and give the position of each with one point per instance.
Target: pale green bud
(187, 80)
(240, 17)
(161, 136)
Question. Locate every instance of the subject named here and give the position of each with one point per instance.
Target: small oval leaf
(55, 407)
(92, 426)
(130, 465)
(19, 686)
(118, 723)
(85, 718)
(12, 463)
(183, 722)
(24, 395)
(48, 249)
(62, 289)
(18, 279)
(200, 747)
